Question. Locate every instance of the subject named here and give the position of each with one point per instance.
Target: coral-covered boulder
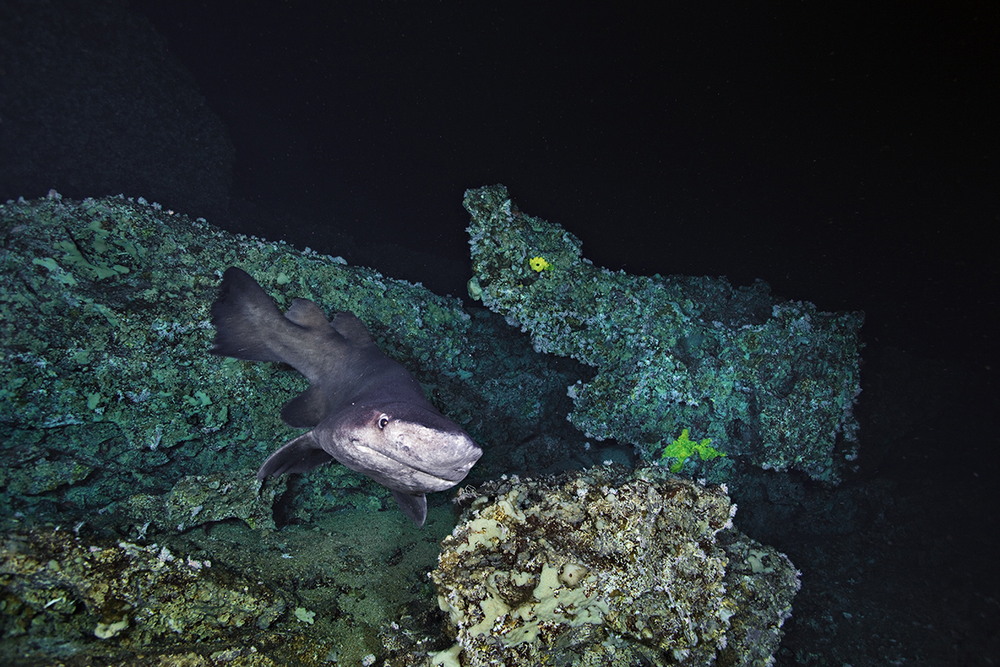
(607, 566)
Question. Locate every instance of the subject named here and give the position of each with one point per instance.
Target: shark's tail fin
(245, 318)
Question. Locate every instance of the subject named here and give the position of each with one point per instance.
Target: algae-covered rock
(768, 381)
(57, 586)
(608, 567)
(107, 389)
(200, 499)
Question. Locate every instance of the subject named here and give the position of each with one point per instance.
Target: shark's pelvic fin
(413, 506)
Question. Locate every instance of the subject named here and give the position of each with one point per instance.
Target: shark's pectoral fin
(305, 410)
(413, 506)
(299, 455)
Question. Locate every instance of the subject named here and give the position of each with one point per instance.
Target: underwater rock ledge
(82, 597)
(108, 389)
(769, 382)
(116, 421)
(113, 418)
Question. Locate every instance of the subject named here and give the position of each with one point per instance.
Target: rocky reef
(608, 567)
(135, 527)
(770, 382)
(117, 423)
(108, 390)
(197, 500)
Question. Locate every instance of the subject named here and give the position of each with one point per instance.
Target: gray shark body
(364, 409)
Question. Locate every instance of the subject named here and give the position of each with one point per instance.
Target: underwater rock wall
(768, 381)
(608, 567)
(108, 389)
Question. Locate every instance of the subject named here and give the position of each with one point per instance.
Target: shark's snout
(463, 456)
(425, 456)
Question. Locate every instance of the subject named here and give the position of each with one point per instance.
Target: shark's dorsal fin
(248, 325)
(305, 313)
(352, 329)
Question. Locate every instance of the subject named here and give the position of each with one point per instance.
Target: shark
(363, 408)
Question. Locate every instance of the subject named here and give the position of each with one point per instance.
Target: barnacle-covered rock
(607, 567)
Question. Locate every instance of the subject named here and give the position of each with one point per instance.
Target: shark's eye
(383, 421)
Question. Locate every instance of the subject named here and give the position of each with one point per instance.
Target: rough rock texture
(607, 567)
(770, 382)
(60, 588)
(342, 579)
(200, 499)
(108, 390)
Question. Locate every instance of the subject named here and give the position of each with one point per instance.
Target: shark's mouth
(407, 475)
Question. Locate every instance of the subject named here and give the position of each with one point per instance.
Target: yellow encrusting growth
(539, 264)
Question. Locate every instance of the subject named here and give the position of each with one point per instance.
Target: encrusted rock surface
(107, 389)
(200, 499)
(60, 588)
(608, 567)
(771, 382)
